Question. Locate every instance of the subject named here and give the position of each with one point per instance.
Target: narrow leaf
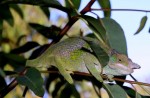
(13, 58)
(26, 47)
(48, 32)
(1, 28)
(115, 91)
(97, 26)
(57, 88)
(132, 93)
(33, 80)
(105, 4)
(76, 4)
(6, 14)
(142, 24)
(98, 51)
(69, 91)
(46, 11)
(2, 83)
(46, 3)
(17, 9)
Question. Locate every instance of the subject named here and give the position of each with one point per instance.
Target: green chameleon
(68, 56)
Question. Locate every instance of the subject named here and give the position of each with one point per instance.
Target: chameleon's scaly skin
(68, 56)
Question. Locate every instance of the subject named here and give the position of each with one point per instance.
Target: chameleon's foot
(110, 78)
(69, 71)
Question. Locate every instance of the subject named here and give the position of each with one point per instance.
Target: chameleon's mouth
(122, 69)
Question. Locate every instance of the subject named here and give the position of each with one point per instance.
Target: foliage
(20, 22)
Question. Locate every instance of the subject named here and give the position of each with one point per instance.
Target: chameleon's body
(68, 57)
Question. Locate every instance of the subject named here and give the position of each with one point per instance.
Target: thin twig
(106, 9)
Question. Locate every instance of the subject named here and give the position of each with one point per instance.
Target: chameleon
(68, 56)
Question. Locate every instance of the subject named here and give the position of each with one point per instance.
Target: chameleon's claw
(110, 78)
(70, 72)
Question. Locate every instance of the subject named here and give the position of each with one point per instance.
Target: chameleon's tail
(33, 63)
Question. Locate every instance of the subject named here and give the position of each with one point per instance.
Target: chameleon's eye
(120, 60)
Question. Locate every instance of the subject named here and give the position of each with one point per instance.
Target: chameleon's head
(121, 63)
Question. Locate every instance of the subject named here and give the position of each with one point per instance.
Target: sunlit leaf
(105, 4)
(33, 80)
(115, 91)
(17, 9)
(142, 24)
(115, 34)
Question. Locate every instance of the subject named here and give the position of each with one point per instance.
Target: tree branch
(11, 86)
(105, 77)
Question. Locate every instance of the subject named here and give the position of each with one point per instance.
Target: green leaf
(2, 83)
(1, 29)
(132, 93)
(46, 3)
(33, 80)
(6, 14)
(76, 4)
(15, 60)
(69, 91)
(142, 24)
(115, 35)
(46, 11)
(97, 26)
(105, 4)
(99, 52)
(115, 91)
(48, 32)
(17, 9)
(24, 48)
(2, 73)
